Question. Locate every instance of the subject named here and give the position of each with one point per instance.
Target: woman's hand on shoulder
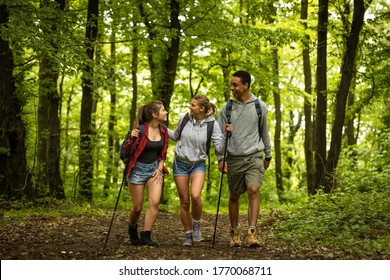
(134, 133)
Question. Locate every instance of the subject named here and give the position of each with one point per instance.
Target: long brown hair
(145, 112)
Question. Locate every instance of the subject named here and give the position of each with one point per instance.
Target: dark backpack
(210, 127)
(228, 111)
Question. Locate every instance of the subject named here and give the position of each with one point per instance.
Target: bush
(353, 221)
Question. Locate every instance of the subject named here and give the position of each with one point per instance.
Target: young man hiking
(244, 120)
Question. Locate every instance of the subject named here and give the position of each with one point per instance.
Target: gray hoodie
(191, 147)
(244, 140)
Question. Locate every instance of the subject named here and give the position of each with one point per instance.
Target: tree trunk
(309, 141)
(163, 78)
(43, 130)
(290, 153)
(321, 110)
(278, 126)
(134, 79)
(226, 75)
(112, 118)
(342, 94)
(169, 74)
(350, 127)
(163, 59)
(66, 134)
(48, 114)
(86, 128)
(14, 176)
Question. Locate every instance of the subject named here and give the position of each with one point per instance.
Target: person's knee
(184, 202)
(196, 198)
(153, 206)
(252, 190)
(234, 198)
(137, 209)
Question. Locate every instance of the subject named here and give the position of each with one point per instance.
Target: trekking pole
(220, 186)
(116, 204)
(119, 194)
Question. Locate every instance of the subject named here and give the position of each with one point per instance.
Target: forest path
(83, 238)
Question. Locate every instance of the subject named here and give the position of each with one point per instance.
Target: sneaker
(251, 238)
(235, 240)
(197, 234)
(188, 241)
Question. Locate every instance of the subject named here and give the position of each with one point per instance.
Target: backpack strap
(259, 113)
(141, 130)
(229, 105)
(165, 129)
(228, 111)
(210, 128)
(183, 123)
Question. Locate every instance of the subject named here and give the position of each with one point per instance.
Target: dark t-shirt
(151, 151)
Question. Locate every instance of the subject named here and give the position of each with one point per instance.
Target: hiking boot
(197, 234)
(146, 240)
(133, 233)
(251, 238)
(235, 240)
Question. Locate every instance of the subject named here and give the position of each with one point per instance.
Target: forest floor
(82, 237)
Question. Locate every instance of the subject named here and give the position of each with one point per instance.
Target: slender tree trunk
(86, 129)
(278, 126)
(226, 74)
(66, 134)
(350, 118)
(241, 5)
(190, 54)
(43, 130)
(134, 79)
(342, 94)
(350, 127)
(14, 175)
(309, 134)
(112, 117)
(290, 151)
(321, 110)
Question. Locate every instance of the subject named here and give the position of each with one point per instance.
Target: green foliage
(355, 218)
(47, 207)
(354, 221)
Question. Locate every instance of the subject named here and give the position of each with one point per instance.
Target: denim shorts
(181, 168)
(142, 172)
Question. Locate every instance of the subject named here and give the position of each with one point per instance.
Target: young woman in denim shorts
(189, 165)
(146, 168)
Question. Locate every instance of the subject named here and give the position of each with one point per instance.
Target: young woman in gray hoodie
(189, 165)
